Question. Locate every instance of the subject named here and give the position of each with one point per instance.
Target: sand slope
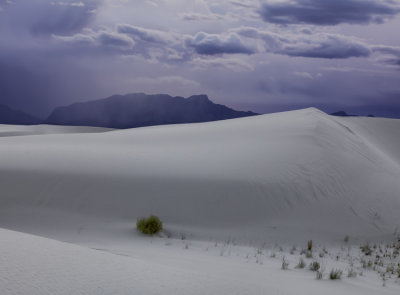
(282, 176)
(40, 266)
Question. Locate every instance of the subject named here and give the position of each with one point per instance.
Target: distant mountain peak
(200, 98)
(340, 114)
(344, 114)
(139, 110)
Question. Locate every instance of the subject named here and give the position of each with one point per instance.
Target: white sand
(280, 178)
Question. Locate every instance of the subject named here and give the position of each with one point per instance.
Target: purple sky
(264, 56)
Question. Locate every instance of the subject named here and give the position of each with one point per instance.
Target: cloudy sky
(264, 56)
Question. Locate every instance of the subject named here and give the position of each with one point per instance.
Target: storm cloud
(212, 44)
(322, 12)
(306, 44)
(146, 35)
(329, 54)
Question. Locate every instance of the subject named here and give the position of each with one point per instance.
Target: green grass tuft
(149, 226)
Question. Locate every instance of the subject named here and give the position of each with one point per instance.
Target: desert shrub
(319, 275)
(149, 226)
(314, 266)
(335, 274)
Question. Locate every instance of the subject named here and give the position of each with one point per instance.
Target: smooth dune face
(282, 176)
(22, 130)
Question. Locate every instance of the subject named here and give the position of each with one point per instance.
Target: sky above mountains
(264, 56)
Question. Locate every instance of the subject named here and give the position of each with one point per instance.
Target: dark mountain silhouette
(11, 116)
(139, 109)
(344, 114)
(341, 114)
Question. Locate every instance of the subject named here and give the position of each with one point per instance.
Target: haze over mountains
(133, 110)
(11, 116)
(130, 110)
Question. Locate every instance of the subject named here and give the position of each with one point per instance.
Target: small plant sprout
(301, 263)
(285, 264)
(309, 245)
(351, 273)
(383, 280)
(292, 250)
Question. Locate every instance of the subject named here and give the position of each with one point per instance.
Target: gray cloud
(169, 46)
(323, 12)
(115, 39)
(79, 40)
(212, 44)
(147, 35)
(173, 47)
(390, 54)
(393, 61)
(392, 50)
(200, 17)
(319, 45)
(329, 46)
(163, 46)
(97, 40)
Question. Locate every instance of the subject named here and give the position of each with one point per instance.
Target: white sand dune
(282, 176)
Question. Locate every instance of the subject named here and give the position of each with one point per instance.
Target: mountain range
(139, 110)
(11, 116)
(129, 111)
